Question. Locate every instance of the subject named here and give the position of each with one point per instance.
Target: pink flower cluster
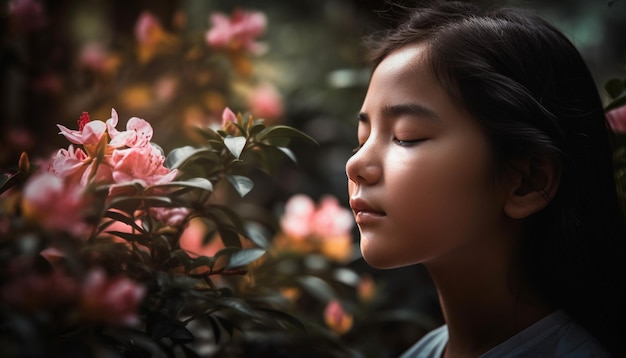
(55, 196)
(237, 32)
(97, 298)
(303, 218)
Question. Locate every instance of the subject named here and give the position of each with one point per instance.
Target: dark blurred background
(61, 57)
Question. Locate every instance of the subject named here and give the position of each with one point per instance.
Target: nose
(364, 167)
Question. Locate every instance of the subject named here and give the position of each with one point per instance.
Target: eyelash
(402, 143)
(407, 143)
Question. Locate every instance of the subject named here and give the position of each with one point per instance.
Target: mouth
(364, 212)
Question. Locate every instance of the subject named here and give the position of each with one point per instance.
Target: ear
(533, 184)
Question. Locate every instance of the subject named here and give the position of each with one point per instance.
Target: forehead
(409, 61)
(405, 77)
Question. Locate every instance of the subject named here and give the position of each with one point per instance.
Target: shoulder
(556, 335)
(430, 346)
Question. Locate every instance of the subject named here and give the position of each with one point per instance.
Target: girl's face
(423, 182)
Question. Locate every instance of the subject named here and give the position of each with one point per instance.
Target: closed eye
(357, 148)
(408, 143)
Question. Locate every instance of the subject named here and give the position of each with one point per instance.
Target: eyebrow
(398, 110)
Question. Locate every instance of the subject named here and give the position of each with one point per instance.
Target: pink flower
(77, 167)
(328, 220)
(299, 211)
(617, 119)
(55, 204)
(237, 32)
(93, 56)
(138, 132)
(336, 317)
(112, 301)
(141, 164)
(266, 102)
(146, 27)
(171, 216)
(91, 133)
(331, 219)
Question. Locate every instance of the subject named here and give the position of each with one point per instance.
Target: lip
(364, 212)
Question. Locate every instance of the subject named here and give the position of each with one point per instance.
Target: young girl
(484, 154)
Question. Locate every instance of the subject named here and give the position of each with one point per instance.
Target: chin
(379, 260)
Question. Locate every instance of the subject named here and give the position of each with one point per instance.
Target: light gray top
(555, 335)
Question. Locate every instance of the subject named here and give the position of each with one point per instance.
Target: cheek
(435, 202)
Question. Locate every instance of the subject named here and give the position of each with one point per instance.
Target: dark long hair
(529, 87)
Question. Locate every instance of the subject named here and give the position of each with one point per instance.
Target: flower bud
(24, 163)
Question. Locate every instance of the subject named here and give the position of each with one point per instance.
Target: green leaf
(208, 134)
(129, 237)
(131, 203)
(242, 184)
(258, 234)
(129, 188)
(196, 183)
(124, 219)
(288, 153)
(256, 128)
(159, 326)
(202, 261)
(282, 135)
(8, 181)
(284, 316)
(217, 330)
(238, 305)
(244, 257)
(614, 87)
(229, 250)
(229, 236)
(317, 288)
(616, 103)
(235, 145)
(179, 156)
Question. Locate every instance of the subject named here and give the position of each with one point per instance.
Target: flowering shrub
(90, 249)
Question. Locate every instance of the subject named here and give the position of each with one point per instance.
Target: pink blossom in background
(114, 301)
(146, 28)
(327, 220)
(29, 289)
(617, 119)
(336, 317)
(56, 205)
(238, 31)
(170, 216)
(93, 56)
(27, 15)
(141, 164)
(48, 83)
(166, 88)
(20, 137)
(299, 212)
(331, 219)
(265, 102)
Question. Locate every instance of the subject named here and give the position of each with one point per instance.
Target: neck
(484, 299)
